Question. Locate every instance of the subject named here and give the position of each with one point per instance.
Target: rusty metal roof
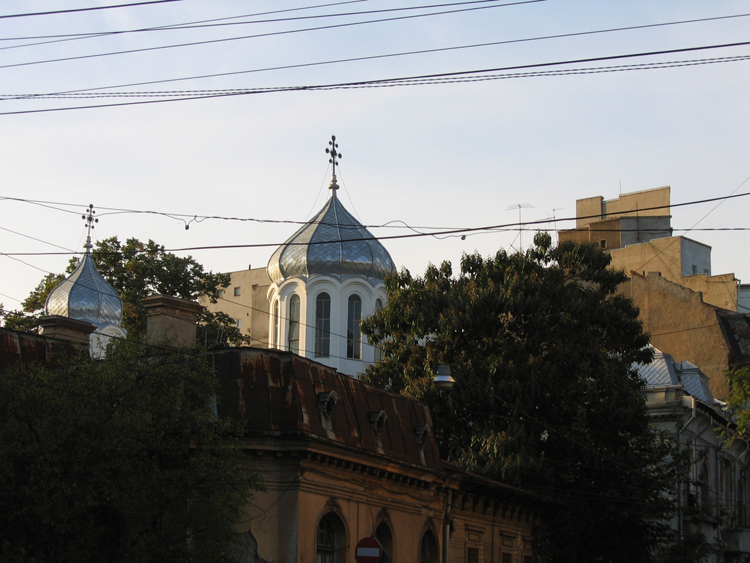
(279, 393)
(22, 350)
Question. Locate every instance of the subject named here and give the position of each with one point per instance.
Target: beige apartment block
(246, 301)
(683, 325)
(636, 230)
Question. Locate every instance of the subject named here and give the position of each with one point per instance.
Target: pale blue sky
(451, 155)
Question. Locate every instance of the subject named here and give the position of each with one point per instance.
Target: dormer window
(377, 421)
(326, 402)
(423, 434)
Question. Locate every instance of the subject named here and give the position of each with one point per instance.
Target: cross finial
(90, 220)
(335, 156)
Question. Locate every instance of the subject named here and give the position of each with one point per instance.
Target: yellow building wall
(682, 325)
(246, 300)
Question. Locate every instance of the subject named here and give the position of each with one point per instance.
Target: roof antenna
(333, 160)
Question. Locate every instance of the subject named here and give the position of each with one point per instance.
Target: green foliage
(541, 348)
(118, 460)
(136, 270)
(738, 381)
(27, 319)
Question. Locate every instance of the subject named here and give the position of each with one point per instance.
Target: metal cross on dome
(90, 220)
(335, 156)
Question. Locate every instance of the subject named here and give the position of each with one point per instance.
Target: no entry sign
(368, 550)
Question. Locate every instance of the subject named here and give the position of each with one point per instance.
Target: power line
(404, 53)
(269, 34)
(242, 91)
(94, 34)
(439, 78)
(55, 12)
(449, 231)
(209, 24)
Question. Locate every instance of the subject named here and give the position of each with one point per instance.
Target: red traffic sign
(368, 550)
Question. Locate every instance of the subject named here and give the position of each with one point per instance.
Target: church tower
(86, 296)
(325, 279)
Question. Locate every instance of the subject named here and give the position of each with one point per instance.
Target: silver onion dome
(86, 296)
(333, 243)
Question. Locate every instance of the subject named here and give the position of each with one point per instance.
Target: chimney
(66, 329)
(171, 321)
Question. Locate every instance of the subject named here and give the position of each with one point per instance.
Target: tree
(541, 348)
(738, 401)
(137, 270)
(118, 460)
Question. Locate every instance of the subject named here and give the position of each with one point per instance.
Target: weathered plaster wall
(681, 325)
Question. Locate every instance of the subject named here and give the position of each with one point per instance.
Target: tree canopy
(118, 460)
(136, 270)
(541, 348)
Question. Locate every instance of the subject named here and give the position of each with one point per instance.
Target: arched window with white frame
(293, 325)
(353, 330)
(323, 325)
(275, 332)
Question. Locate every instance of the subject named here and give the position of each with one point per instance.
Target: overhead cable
(69, 11)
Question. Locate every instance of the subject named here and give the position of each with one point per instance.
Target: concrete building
(714, 501)
(636, 230)
(315, 290)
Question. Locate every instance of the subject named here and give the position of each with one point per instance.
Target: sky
(417, 158)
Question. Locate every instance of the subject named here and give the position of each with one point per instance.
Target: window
(353, 334)
(428, 548)
(330, 544)
(385, 537)
(293, 332)
(220, 293)
(695, 269)
(239, 323)
(603, 243)
(472, 555)
(507, 558)
(236, 291)
(275, 335)
(322, 326)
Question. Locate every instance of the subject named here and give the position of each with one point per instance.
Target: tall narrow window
(353, 334)
(330, 541)
(378, 351)
(428, 548)
(293, 334)
(322, 326)
(275, 335)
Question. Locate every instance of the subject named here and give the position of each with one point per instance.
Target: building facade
(636, 230)
(713, 503)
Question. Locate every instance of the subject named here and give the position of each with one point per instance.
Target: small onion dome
(333, 243)
(86, 296)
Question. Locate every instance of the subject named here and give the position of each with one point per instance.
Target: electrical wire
(207, 23)
(441, 78)
(410, 235)
(69, 11)
(268, 34)
(403, 53)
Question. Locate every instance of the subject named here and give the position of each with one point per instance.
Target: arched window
(293, 333)
(330, 544)
(384, 535)
(428, 550)
(322, 325)
(378, 351)
(275, 335)
(353, 334)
